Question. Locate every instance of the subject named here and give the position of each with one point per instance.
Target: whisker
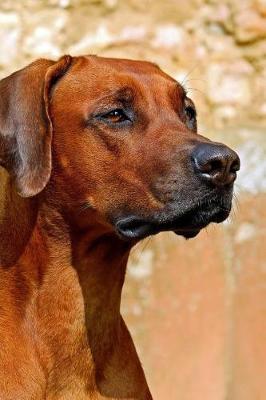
(195, 79)
(138, 250)
(233, 214)
(188, 73)
(146, 243)
(196, 90)
(236, 202)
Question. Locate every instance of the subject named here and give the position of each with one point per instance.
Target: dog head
(117, 138)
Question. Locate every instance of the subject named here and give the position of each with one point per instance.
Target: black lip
(134, 228)
(187, 225)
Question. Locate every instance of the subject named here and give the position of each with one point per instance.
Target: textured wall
(197, 309)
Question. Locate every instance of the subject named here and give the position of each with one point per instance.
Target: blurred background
(196, 309)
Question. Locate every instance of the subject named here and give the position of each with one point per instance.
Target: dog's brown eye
(115, 116)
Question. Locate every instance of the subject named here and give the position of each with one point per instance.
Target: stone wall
(217, 48)
(196, 309)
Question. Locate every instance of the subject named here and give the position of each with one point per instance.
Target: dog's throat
(100, 263)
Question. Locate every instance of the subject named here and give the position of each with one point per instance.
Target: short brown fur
(70, 176)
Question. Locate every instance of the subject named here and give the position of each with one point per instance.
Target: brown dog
(100, 153)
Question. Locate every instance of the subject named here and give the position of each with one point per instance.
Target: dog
(97, 154)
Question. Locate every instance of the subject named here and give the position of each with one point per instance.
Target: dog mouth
(187, 224)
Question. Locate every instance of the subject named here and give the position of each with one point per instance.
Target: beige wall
(196, 309)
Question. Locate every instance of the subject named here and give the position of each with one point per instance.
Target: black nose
(216, 163)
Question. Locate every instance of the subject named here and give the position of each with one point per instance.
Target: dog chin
(201, 220)
(188, 224)
(188, 233)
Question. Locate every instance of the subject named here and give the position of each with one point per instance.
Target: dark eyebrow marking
(122, 95)
(125, 94)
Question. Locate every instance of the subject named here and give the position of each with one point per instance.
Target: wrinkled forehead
(97, 76)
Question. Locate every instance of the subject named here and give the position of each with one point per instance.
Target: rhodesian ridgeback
(97, 154)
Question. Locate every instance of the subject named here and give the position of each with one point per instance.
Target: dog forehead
(123, 65)
(95, 76)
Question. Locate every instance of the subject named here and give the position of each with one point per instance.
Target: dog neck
(70, 300)
(94, 254)
(97, 257)
(100, 260)
(88, 269)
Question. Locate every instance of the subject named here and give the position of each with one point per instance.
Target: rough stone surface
(196, 308)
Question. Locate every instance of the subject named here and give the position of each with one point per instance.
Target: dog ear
(25, 124)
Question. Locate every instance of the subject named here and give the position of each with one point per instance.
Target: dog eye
(190, 117)
(115, 116)
(190, 113)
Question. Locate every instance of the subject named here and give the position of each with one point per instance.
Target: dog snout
(215, 163)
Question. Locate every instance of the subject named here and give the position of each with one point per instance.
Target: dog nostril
(216, 166)
(210, 165)
(235, 166)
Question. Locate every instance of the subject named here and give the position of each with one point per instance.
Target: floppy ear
(25, 124)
